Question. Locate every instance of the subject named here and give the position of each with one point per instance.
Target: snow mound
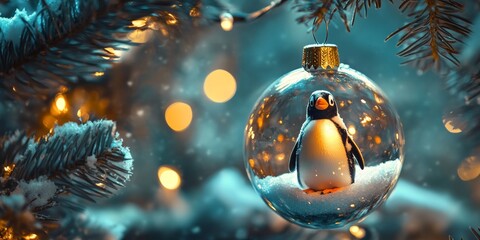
(371, 184)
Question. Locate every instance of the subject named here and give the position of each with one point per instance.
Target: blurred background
(181, 100)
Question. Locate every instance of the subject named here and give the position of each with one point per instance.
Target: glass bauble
(273, 128)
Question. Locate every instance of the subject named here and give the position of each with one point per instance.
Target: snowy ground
(371, 185)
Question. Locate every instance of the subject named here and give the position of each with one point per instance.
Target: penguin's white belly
(323, 162)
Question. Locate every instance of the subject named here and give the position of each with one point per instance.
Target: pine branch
(59, 51)
(239, 16)
(431, 38)
(16, 221)
(63, 47)
(360, 7)
(476, 232)
(468, 85)
(86, 161)
(43, 29)
(318, 11)
(464, 84)
(466, 80)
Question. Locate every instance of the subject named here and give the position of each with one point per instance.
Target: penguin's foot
(322, 192)
(331, 190)
(309, 190)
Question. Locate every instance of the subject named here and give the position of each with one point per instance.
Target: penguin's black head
(321, 105)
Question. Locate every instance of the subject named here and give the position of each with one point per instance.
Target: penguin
(324, 152)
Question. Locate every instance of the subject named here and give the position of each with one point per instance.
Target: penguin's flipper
(356, 152)
(298, 145)
(294, 157)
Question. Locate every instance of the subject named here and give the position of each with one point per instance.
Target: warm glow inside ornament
(323, 145)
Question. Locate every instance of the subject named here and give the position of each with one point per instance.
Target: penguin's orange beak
(321, 104)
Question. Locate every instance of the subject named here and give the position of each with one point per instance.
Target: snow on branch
(81, 161)
(71, 40)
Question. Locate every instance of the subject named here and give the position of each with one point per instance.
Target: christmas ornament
(322, 170)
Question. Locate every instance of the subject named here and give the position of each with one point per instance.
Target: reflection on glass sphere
(272, 130)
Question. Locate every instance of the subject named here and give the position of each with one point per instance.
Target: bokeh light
(195, 12)
(220, 86)
(352, 130)
(139, 22)
(98, 74)
(49, 121)
(112, 53)
(469, 169)
(59, 105)
(178, 116)
(140, 36)
(357, 231)
(82, 114)
(31, 236)
(7, 170)
(169, 178)
(226, 21)
(451, 128)
(171, 19)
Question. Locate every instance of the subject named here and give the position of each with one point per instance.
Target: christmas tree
(88, 86)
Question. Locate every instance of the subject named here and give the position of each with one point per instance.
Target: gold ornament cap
(320, 57)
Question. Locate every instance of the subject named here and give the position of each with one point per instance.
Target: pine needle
(431, 38)
(318, 11)
(61, 51)
(86, 161)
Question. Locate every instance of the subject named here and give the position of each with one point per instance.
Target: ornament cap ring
(320, 57)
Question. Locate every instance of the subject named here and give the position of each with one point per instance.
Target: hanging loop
(326, 30)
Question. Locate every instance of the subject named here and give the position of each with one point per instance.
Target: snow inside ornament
(318, 169)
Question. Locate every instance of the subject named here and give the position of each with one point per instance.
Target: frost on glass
(274, 125)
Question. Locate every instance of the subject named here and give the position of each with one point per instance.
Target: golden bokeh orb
(357, 232)
(60, 103)
(226, 21)
(169, 178)
(469, 169)
(178, 116)
(451, 128)
(219, 86)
